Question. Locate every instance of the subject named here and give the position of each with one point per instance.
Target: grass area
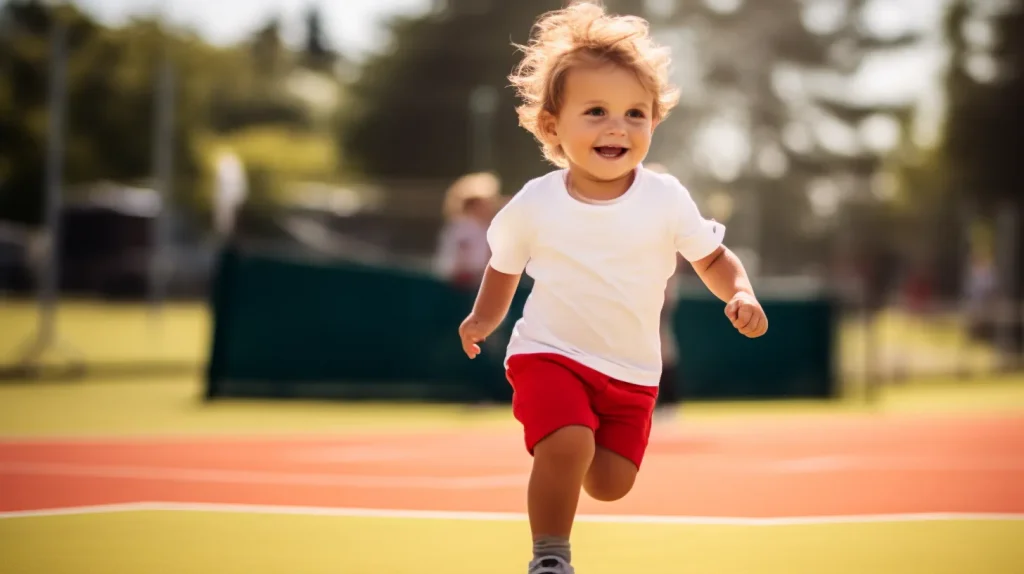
(112, 333)
(912, 344)
(252, 543)
(173, 405)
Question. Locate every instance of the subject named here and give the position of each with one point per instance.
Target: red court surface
(811, 467)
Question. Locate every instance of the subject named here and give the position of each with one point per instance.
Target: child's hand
(746, 315)
(472, 331)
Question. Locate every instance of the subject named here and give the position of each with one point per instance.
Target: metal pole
(963, 366)
(483, 101)
(1006, 232)
(163, 162)
(50, 280)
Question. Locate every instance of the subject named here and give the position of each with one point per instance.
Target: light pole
(483, 102)
(46, 336)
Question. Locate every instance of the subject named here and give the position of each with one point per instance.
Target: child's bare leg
(560, 462)
(611, 476)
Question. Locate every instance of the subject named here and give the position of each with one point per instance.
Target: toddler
(599, 236)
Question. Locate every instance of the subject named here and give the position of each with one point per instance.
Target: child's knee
(606, 488)
(571, 445)
(611, 476)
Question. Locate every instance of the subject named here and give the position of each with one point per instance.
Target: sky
(354, 26)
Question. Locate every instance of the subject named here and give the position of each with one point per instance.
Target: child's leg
(553, 404)
(610, 476)
(624, 411)
(559, 463)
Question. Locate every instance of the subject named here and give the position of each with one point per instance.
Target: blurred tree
(766, 114)
(263, 112)
(410, 113)
(111, 81)
(268, 50)
(255, 92)
(985, 119)
(317, 54)
(109, 122)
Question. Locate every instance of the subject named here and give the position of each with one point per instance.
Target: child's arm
(724, 275)
(508, 237)
(492, 303)
(699, 240)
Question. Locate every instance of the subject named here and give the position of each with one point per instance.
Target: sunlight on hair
(584, 34)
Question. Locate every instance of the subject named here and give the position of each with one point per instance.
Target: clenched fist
(746, 315)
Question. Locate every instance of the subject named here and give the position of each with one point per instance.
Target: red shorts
(551, 391)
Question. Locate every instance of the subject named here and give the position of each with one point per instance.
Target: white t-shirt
(599, 270)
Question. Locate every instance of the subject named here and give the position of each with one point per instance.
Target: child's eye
(635, 114)
(595, 112)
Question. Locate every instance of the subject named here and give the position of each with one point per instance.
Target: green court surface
(187, 542)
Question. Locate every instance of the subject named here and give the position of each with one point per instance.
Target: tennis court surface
(852, 492)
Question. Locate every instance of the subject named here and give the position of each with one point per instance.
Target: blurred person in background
(918, 293)
(980, 294)
(231, 191)
(462, 252)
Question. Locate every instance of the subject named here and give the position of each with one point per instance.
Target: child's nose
(616, 127)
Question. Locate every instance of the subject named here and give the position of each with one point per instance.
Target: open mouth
(611, 152)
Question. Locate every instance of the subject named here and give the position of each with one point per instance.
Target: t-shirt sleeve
(695, 236)
(508, 237)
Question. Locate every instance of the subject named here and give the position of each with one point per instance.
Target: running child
(599, 236)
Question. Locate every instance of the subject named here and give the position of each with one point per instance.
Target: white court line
(263, 477)
(77, 510)
(511, 516)
(812, 465)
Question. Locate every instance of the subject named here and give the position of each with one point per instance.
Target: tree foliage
(112, 78)
(985, 88)
(409, 115)
(776, 74)
(985, 119)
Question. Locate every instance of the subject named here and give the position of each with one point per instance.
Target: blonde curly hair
(584, 34)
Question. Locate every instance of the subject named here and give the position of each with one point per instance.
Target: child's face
(605, 125)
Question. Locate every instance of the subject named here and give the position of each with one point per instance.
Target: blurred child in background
(469, 205)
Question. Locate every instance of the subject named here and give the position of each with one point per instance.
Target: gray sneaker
(550, 565)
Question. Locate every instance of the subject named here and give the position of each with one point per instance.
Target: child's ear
(549, 128)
